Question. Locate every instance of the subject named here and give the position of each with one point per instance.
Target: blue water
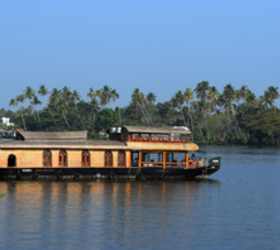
(236, 208)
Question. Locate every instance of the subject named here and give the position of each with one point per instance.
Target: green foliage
(234, 117)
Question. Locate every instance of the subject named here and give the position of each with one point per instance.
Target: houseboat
(130, 152)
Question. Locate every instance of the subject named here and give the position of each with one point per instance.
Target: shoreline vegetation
(233, 117)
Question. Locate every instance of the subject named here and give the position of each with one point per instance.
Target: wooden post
(129, 159)
(150, 137)
(169, 138)
(187, 159)
(139, 159)
(129, 137)
(164, 159)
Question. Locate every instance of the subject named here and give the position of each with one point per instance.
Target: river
(236, 208)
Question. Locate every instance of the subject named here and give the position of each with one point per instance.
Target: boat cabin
(128, 146)
(155, 147)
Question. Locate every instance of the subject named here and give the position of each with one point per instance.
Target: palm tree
(66, 94)
(13, 103)
(43, 91)
(274, 93)
(213, 96)
(266, 99)
(114, 96)
(243, 92)
(62, 107)
(76, 97)
(35, 101)
(138, 100)
(55, 95)
(20, 99)
(97, 93)
(94, 107)
(53, 100)
(188, 96)
(229, 97)
(251, 100)
(202, 89)
(151, 97)
(136, 96)
(105, 95)
(90, 94)
(177, 102)
(29, 93)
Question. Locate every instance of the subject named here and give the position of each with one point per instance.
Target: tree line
(234, 117)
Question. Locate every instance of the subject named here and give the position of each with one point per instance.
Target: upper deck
(150, 134)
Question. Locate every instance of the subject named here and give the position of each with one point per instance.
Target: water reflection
(103, 214)
(51, 209)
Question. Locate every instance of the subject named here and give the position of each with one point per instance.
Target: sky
(158, 46)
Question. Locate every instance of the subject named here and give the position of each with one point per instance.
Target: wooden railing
(142, 139)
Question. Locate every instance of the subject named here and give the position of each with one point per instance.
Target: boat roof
(51, 136)
(62, 144)
(97, 145)
(155, 130)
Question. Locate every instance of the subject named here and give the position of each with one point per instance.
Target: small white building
(6, 121)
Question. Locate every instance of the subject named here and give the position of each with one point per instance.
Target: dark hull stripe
(132, 172)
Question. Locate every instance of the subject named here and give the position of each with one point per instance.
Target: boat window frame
(50, 153)
(85, 155)
(106, 154)
(121, 154)
(64, 154)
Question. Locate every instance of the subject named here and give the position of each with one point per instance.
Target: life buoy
(76, 176)
(190, 163)
(35, 176)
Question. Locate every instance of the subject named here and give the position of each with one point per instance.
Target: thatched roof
(156, 130)
(52, 136)
(90, 145)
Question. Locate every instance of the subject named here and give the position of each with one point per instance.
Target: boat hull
(111, 173)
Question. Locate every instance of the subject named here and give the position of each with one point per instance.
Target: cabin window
(121, 159)
(179, 138)
(159, 138)
(47, 158)
(175, 160)
(152, 159)
(12, 161)
(108, 159)
(62, 158)
(140, 137)
(85, 158)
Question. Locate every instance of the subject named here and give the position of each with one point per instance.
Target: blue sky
(158, 46)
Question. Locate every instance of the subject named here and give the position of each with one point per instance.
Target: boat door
(134, 158)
